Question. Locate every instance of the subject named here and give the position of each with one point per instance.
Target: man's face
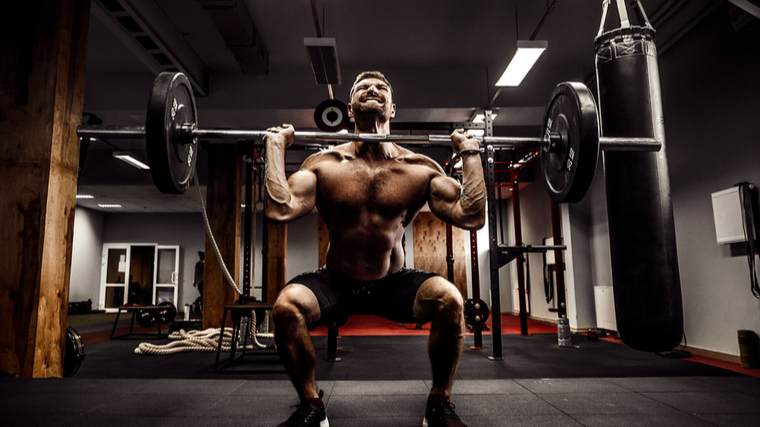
(372, 96)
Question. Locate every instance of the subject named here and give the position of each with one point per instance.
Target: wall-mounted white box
(729, 216)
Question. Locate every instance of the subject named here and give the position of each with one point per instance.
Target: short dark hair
(369, 75)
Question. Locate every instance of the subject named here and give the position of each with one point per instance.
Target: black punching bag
(645, 274)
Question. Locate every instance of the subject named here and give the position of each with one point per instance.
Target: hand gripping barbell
(570, 140)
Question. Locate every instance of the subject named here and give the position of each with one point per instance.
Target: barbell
(569, 144)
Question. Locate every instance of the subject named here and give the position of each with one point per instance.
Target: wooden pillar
(324, 241)
(277, 259)
(223, 201)
(43, 45)
(430, 249)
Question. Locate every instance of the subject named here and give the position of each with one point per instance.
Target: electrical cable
(745, 189)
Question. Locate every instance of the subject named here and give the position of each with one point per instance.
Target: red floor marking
(374, 326)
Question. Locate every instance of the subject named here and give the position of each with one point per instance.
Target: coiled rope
(205, 340)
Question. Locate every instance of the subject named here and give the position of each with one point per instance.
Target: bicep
(444, 193)
(303, 187)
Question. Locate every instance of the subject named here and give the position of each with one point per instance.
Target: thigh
(334, 303)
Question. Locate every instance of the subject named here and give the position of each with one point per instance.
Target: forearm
(276, 182)
(472, 196)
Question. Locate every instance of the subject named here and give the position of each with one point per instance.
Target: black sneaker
(441, 414)
(308, 415)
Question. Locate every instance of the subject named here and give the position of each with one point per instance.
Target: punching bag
(645, 275)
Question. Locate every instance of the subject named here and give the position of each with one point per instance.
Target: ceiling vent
(145, 29)
(235, 24)
(323, 56)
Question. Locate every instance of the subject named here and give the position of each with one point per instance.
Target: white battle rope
(205, 340)
(227, 274)
(208, 339)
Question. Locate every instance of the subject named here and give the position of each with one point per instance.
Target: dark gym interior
(649, 314)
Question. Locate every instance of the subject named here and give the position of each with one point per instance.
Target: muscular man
(367, 194)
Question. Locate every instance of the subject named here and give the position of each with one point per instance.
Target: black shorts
(339, 296)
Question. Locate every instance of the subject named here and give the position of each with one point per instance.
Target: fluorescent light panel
(480, 118)
(85, 196)
(109, 206)
(131, 159)
(527, 54)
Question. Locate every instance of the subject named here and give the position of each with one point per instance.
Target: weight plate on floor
(167, 314)
(331, 116)
(146, 318)
(74, 353)
(171, 159)
(569, 168)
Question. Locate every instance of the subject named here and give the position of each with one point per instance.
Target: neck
(372, 124)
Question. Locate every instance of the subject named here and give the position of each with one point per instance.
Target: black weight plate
(569, 169)
(171, 160)
(146, 318)
(331, 116)
(73, 353)
(167, 314)
(469, 312)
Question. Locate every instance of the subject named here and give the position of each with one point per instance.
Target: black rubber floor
(384, 381)
(402, 358)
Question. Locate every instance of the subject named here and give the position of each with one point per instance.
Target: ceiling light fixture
(130, 158)
(528, 52)
(480, 118)
(85, 196)
(109, 206)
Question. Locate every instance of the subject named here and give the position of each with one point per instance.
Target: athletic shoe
(308, 415)
(441, 414)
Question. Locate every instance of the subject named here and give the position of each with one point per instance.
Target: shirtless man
(367, 194)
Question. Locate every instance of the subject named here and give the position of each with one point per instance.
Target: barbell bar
(569, 145)
(188, 133)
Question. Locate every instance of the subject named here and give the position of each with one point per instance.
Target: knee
(294, 305)
(442, 300)
(452, 302)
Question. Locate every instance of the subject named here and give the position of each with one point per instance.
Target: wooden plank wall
(42, 54)
(277, 259)
(430, 249)
(223, 199)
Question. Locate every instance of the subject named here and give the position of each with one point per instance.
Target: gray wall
(86, 256)
(185, 230)
(711, 100)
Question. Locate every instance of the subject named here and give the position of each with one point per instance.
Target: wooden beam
(43, 46)
(324, 241)
(277, 262)
(223, 198)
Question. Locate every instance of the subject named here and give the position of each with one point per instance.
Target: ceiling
(442, 58)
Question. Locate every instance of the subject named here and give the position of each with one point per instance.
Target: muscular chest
(389, 187)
